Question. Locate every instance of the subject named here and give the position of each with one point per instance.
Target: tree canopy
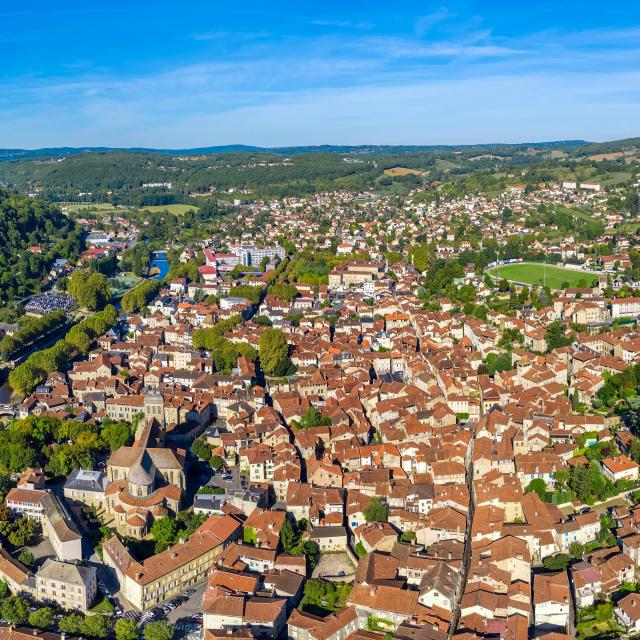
(377, 511)
(274, 352)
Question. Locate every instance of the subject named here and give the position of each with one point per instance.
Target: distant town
(357, 415)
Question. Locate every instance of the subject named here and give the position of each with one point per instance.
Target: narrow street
(466, 557)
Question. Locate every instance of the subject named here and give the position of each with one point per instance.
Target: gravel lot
(331, 564)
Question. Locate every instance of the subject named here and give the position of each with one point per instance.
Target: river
(160, 261)
(5, 393)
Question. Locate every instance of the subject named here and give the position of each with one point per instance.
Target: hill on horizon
(53, 152)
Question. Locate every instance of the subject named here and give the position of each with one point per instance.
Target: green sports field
(533, 273)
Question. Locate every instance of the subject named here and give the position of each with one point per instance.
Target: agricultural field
(445, 165)
(616, 179)
(175, 209)
(402, 171)
(537, 274)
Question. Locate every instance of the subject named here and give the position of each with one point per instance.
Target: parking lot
(48, 302)
(191, 607)
(184, 612)
(335, 565)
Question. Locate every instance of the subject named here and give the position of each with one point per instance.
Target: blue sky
(199, 73)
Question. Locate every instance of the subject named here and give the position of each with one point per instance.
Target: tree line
(35, 369)
(30, 329)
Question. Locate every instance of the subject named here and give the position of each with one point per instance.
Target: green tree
(96, 626)
(116, 435)
(14, 609)
(312, 418)
(604, 612)
(217, 463)
(575, 400)
(23, 531)
(164, 532)
(25, 377)
(43, 618)
(576, 550)
(126, 629)
(559, 562)
(561, 478)
(91, 290)
(508, 337)
(377, 510)
(78, 337)
(288, 537)
(556, 337)
(201, 449)
(72, 624)
(539, 486)
(283, 291)
(498, 362)
(249, 535)
(141, 296)
(160, 630)
(273, 351)
(26, 558)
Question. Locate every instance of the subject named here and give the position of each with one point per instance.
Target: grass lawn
(579, 213)
(103, 606)
(616, 178)
(176, 209)
(534, 273)
(628, 227)
(598, 630)
(92, 207)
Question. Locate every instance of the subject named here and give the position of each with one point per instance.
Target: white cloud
(337, 89)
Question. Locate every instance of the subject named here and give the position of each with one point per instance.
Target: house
(229, 610)
(335, 626)
(620, 467)
(389, 604)
(44, 507)
(551, 600)
(17, 577)
(628, 612)
(587, 583)
(439, 587)
(330, 538)
(86, 486)
(70, 586)
(375, 536)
